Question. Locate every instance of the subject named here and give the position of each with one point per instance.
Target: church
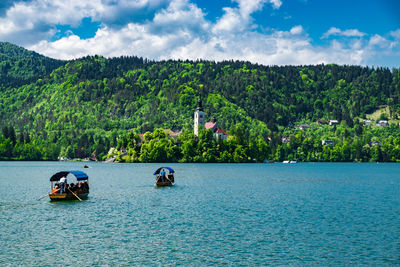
(199, 122)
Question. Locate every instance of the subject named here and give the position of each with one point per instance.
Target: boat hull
(61, 197)
(167, 183)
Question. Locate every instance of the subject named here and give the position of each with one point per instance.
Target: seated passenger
(79, 187)
(85, 187)
(55, 189)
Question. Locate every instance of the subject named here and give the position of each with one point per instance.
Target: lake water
(216, 214)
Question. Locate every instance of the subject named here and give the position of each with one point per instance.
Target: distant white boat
(285, 161)
(293, 161)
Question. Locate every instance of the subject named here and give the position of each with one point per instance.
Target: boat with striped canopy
(165, 179)
(73, 191)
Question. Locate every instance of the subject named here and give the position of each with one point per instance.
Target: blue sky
(270, 32)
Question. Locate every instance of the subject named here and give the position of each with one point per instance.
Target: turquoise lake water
(216, 214)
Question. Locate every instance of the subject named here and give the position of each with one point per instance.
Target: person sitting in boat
(55, 189)
(79, 187)
(72, 187)
(85, 187)
(67, 189)
(63, 182)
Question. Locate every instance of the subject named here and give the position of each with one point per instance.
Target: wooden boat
(168, 183)
(58, 197)
(167, 180)
(78, 193)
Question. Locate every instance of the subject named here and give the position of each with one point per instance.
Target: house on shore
(333, 122)
(367, 122)
(213, 126)
(382, 123)
(304, 127)
(327, 142)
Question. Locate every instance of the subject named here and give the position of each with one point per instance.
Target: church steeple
(199, 119)
(199, 104)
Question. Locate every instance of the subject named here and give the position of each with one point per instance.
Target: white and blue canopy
(80, 176)
(159, 170)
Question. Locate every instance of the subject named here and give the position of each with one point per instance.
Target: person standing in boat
(63, 181)
(162, 174)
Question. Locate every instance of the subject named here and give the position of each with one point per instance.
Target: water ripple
(217, 214)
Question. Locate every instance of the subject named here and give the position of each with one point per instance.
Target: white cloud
(378, 40)
(331, 31)
(278, 48)
(296, 30)
(38, 18)
(347, 33)
(171, 28)
(231, 21)
(239, 19)
(395, 34)
(180, 14)
(178, 29)
(353, 33)
(276, 3)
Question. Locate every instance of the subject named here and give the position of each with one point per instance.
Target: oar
(75, 194)
(43, 196)
(168, 179)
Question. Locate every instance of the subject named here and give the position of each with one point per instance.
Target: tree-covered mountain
(90, 103)
(19, 66)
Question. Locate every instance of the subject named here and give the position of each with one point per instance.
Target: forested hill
(93, 100)
(19, 66)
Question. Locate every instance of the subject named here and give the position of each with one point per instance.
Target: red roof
(219, 130)
(209, 125)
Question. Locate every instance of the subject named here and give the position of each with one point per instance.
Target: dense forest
(51, 109)
(19, 66)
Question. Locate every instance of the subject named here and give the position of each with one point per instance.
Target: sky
(268, 32)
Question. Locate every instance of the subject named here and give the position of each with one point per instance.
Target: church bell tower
(199, 119)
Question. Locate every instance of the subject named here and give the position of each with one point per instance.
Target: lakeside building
(382, 123)
(304, 127)
(218, 132)
(199, 119)
(327, 142)
(333, 122)
(199, 122)
(367, 122)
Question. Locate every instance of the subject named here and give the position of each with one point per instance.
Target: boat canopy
(159, 170)
(80, 176)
